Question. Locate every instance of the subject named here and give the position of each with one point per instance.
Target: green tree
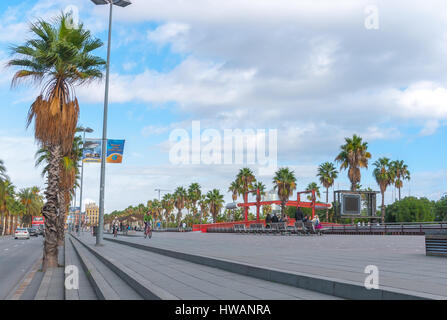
(313, 186)
(204, 208)
(58, 56)
(194, 194)
(384, 175)
(180, 196)
(327, 174)
(235, 190)
(285, 183)
(353, 156)
(215, 202)
(411, 209)
(441, 209)
(401, 172)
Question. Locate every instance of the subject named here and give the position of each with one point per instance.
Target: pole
(80, 191)
(99, 234)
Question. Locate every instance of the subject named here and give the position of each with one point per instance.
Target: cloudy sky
(312, 70)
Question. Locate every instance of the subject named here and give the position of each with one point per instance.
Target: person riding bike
(147, 222)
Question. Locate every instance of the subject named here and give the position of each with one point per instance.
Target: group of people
(299, 217)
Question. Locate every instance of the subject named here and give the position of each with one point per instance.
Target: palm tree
(353, 155)
(400, 170)
(3, 175)
(194, 194)
(58, 56)
(235, 190)
(245, 180)
(204, 207)
(69, 175)
(168, 205)
(384, 175)
(327, 174)
(28, 199)
(7, 194)
(180, 196)
(215, 201)
(156, 209)
(285, 182)
(258, 185)
(313, 186)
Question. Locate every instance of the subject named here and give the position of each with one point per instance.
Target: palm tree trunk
(51, 209)
(327, 200)
(3, 224)
(8, 223)
(399, 192)
(383, 207)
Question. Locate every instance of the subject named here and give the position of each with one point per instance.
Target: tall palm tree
(258, 185)
(235, 190)
(157, 209)
(216, 202)
(245, 179)
(30, 202)
(313, 186)
(327, 174)
(401, 173)
(168, 205)
(180, 196)
(285, 183)
(204, 207)
(353, 155)
(59, 56)
(7, 194)
(384, 175)
(68, 175)
(194, 194)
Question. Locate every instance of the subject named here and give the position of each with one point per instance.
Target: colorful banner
(115, 150)
(92, 151)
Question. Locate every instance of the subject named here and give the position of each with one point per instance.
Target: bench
(256, 228)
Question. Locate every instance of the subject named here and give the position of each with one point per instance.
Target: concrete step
(325, 285)
(185, 280)
(105, 282)
(85, 290)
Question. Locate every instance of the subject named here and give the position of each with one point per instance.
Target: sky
(315, 71)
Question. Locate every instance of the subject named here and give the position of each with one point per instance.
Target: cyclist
(147, 223)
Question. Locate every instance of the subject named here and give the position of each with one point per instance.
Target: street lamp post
(84, 130)
(120, 3)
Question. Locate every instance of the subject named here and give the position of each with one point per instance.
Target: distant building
(92, 214)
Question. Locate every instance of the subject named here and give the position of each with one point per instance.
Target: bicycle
(148, 232)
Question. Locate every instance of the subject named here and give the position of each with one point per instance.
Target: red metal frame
(298, 203)
(291, 203)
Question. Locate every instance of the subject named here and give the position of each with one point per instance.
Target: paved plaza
(185, 280)
(401, 260)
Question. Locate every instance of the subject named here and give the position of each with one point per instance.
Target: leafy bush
(410, 209)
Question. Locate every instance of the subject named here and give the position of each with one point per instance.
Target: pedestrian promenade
(401, 260)
(186, 280)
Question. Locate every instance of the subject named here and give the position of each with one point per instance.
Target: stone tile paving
(401, 260)
(192, 281)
